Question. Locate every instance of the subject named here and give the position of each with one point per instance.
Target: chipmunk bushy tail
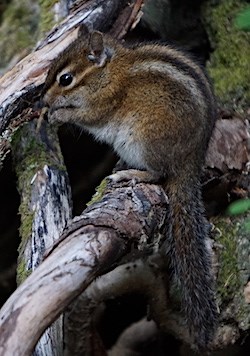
(190, 260)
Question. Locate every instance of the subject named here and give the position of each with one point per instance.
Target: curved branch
(143, 276)
(92, 244)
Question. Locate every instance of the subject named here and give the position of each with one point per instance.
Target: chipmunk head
(78, 72)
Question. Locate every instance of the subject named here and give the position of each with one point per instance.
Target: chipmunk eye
(66, 79)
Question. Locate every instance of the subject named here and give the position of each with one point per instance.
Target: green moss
(32, 159)
(3, 6)
(47, 18)
(26, 225)
(22, 272)
(243, 310)
(233, 272)
(228, 276)
(229, 63)
(18, 30)
(99, 192)
(32, 150)
(23, 23)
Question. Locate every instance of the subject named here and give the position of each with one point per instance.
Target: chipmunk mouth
(53, 109)
(60, 113)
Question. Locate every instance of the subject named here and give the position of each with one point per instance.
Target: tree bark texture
(45, 207)
(124, 224)
(96, 240)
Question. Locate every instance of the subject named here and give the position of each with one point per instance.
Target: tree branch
(96, 240)
(143, 276)
(102, 235)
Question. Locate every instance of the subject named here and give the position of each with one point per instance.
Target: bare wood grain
(86, 252)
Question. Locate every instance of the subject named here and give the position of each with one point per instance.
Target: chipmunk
(155, 107)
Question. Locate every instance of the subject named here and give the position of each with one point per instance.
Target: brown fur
(154, 105)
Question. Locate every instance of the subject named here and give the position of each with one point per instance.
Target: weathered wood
(141, 276)
(19, 89)
(103, 238)
(42, 192)
(45, 207)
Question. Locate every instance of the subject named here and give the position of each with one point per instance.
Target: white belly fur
(123, 142)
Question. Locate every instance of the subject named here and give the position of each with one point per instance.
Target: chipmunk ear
(98, 53)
